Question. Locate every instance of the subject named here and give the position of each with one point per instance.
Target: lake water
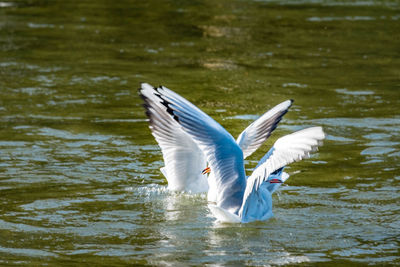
(79, 169)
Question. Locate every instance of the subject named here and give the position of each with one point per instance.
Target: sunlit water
(79, 169)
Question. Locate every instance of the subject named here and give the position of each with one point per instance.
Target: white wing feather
(287, 149)
(223, 154)
(257, 132)
(184, 161)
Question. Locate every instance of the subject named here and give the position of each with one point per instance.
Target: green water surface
(79, 169)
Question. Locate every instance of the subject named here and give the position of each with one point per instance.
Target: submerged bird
(189, 139)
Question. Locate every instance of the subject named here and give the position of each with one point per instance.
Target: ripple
(219, 64)
(53, 203)
(20, 227)
(13, 143)
(104, 78)
(365, 3)
(121, 120)
(377, 150)
(350, 18)
(382, 143)
(298, 85)
(57, 118)
(289, 259)
(339, 138)
(377, 136)
(395, 154)
(30, 252)
(40, 25)
(6, 4)
(34, 91)
(354, 93)
(69, 136)
(244, 117)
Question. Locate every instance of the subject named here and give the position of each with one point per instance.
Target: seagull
(185, 164)
(189, 136)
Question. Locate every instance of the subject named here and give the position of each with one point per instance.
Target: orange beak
(206, 170)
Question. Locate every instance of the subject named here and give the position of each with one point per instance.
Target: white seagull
(185, 163)
(191, 139)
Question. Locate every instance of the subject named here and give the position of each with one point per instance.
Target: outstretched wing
(257, 132)
(223, 154)
(183, 159)
(287, 149)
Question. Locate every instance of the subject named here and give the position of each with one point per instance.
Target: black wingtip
(169, 109)
(164, 102)
(162, 99)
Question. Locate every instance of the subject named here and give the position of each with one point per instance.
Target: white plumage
(189, 138)
(183, 159)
